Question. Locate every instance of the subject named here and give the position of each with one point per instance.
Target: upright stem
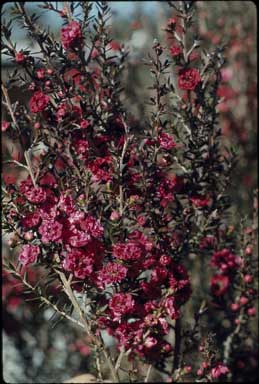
(46, 300)
(119, 359)
(177, 347)
(98, 343)
(148, 373)
(121, 197)
(184, 32)
(26, 155)
(69, 14)
(98, 364)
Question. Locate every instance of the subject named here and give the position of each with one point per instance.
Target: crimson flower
(38, 102)
(131, 250)
(50, 230)
(200, 201)
(71, 35)
(36, 195)
(175, 50)
(166, 141)
(219, 285)
(121, 304)
(5, 125)
(188, 79)
(31, 220)
(219, 370)
(111, 273)
(29, 254)
(19, 57)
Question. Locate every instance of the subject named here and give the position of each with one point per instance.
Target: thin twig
(68, 290)
(26, 156)
(146, 380)
(47, 301)
(125, 144)
(119, 359)
(98, 364)
(177, 347)
(69, 14)
(184, 32)
(16, 163)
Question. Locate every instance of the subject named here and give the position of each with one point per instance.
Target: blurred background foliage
(34, 351)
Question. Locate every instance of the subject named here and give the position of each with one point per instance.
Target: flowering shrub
(237, 91)
(115, 211)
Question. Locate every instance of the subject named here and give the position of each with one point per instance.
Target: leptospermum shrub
(122, 216)
(217, 24)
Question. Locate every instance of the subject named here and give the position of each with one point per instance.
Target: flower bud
(234, 307)
(84, 124)
(114, 216)
(248, 250)
(243, 300)
(251, 311)
(28, 236)
(40, 73)
(32, 87)
(5, 125)
(248, 278)
(19, 57)
(11, 242)
(37, 125)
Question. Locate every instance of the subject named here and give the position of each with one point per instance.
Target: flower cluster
(57, 221)
(129, 317)
(111, 273)
(71, 35)
(166, 141)
(218, 370)
(38, 102)
(226, 263)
